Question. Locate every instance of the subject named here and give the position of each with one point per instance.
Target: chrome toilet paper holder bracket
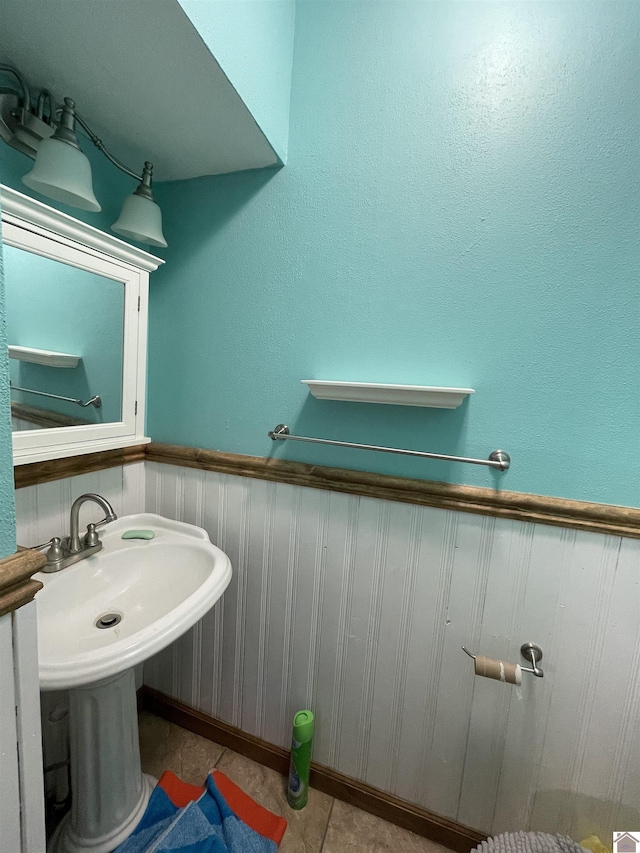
(531, 652)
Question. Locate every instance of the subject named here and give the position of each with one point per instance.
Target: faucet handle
(43, 545)
(56, 552)
(106, 520)
(91, 537)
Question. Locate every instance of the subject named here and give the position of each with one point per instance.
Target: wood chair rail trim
(517, 506)
(16, 585)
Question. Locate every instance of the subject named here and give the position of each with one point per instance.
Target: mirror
(76, 315)
(65, 329)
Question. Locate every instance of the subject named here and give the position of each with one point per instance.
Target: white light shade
(140, 219)
(62, 172)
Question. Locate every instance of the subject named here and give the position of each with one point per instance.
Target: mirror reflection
(65, 329)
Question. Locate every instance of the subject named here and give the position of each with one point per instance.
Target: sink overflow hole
(108, 620)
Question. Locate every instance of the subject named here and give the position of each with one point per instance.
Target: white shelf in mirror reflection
(43, 356)
(397, 395)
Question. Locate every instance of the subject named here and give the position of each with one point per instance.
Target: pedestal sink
(97, 619)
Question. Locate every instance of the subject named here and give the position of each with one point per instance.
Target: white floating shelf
(44, 356)
(396, 395)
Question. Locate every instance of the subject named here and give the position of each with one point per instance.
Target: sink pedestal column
(108, 789)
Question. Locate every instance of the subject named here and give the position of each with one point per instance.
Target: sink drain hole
(108, 620)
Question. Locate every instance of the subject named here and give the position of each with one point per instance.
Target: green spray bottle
(300, 766)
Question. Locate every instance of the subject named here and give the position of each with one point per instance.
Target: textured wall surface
(253, 42)
(43, 511)
(460, 206)
(7, 506)
(358, 608)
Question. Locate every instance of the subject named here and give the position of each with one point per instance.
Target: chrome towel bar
(94, 401)
(499, 459)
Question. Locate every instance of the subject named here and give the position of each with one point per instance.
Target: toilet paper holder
(531, 652)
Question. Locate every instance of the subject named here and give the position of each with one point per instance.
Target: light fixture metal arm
(26, 95)
(101, 147)
(61, 170)
(45, 98)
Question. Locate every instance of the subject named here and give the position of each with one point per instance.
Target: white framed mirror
(76, 315)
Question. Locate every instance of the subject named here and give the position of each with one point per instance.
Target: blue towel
(205, 824)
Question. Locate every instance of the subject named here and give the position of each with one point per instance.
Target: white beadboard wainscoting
(357, 608)
(43, 511)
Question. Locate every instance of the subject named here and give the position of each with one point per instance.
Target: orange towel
(261, 820)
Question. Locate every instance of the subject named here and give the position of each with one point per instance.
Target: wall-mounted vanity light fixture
(61, 171)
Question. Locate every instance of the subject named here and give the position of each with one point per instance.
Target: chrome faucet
(70, 549)
(74, 539)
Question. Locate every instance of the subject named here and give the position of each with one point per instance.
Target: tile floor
(325, 825)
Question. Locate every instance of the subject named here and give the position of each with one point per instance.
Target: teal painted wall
(460, 206)
(57, 307)
(7, 502)
(252, 40)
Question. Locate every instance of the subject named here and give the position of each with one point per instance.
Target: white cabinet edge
(25, 456)
(25, 654)
(397, 395)
(43, 356)
(23, 207)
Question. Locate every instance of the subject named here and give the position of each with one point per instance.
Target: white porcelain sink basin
(149, 592)
(159, 588)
